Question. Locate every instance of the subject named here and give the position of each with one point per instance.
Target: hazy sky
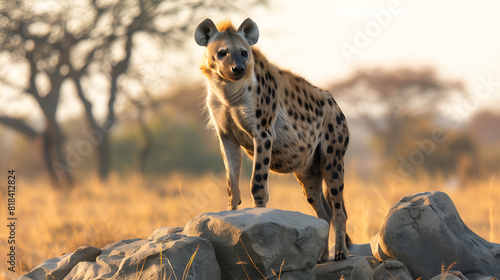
(325, 40)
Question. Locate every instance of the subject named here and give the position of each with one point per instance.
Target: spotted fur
(284, 123)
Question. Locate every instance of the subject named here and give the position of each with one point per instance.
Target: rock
(425, 231)
(160, 257)
(352, 268)
(159, 232)
(363, 250)
(305, 274)
(360, 249)
(450, 275)
(391, 269)
(58, 268)
(157, 258)
(446, 276)
(107, 264)
(257, 241)
(373, 262)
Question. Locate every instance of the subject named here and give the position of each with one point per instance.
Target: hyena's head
(228, 52)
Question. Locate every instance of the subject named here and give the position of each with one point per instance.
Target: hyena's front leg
(261, 161)
(231, 154)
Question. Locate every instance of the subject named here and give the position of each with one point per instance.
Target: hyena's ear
(204, 31)
(250, 31)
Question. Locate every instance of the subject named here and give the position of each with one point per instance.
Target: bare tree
(75, 41)
(44, 55)
(387, 99)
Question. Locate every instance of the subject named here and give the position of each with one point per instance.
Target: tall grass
(53, 222)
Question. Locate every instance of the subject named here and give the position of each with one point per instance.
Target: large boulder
(425, 232)
(256, 243)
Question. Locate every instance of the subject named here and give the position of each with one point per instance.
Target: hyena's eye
(244, 53)
(221, 53)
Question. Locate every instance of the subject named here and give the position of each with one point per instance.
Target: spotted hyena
(284, 123)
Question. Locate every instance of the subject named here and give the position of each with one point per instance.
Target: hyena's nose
(238, 69)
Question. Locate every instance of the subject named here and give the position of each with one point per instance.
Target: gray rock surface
(157, 258)
(360, 249)
(256, 241)
(305, 274)
(391, 269)
(58, 268)
(363, 250)
(353, 268)
(450, 275)
(425, 231)
(159, 232)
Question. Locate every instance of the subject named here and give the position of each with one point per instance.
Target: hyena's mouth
(232, 76)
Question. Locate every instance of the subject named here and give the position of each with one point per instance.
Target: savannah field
(53, 222)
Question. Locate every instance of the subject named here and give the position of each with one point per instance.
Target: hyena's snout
(238, 69)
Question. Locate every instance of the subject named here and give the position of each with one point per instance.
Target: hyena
(284, 123)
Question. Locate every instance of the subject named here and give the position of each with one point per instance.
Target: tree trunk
(148, 141)
(48, 157)
(103, 157)
(54, 157)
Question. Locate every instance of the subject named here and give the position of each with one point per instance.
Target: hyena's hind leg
(311, 183)
(332, 171)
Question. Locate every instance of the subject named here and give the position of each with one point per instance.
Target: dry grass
(51, 222)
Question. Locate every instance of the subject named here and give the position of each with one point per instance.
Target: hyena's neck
(233, 93)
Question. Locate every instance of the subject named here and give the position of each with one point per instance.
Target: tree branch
(19, 126)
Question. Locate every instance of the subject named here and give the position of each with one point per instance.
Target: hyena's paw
(324, 257)
(340, 254)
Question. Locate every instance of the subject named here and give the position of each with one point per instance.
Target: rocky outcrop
(58, 268)
(425, 232)
(420, 235)
(157, 258)
(260, 242)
